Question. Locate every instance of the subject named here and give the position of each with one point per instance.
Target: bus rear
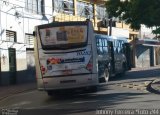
(64, 56)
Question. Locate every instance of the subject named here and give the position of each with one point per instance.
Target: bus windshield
(63, 37)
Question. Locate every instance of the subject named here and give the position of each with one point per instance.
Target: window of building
(57, 5)
(65, 6)
(29, 39)
(68, 6)
(84, 9)
(101, 12)
(34, 6)
(11, 36)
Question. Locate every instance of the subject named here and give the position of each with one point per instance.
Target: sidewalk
(154, 86)
(6, 91)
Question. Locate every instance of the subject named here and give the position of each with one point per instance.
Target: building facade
(18, 19)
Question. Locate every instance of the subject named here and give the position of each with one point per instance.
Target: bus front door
(111, 53)
(127, 52)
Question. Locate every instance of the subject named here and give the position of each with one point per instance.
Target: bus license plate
(67, 72)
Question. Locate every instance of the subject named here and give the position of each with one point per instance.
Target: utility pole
(110, 27)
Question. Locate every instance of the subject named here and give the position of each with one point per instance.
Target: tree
(136, 12)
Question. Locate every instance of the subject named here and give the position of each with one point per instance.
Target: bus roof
(68, 23)
(102, 36)
(110, 38)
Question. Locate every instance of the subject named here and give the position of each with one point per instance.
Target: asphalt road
(128, 92)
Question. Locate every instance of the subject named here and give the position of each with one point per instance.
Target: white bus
(65, 55)
(113, 54)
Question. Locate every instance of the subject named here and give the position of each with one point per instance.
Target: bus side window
(119, 46)
(105, 47)
(97, 43)
(115, 46)
(99, 47)
(122, 49)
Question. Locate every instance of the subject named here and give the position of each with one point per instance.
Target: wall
(145, 56)
(21, 24)
(157, 56)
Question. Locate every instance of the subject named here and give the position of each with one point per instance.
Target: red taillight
(90, 65)
(43, 69)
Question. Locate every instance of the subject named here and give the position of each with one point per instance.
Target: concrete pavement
(6, 91)
(154, 85)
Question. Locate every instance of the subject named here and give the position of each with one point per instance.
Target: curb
(153, 89)
(136, 86)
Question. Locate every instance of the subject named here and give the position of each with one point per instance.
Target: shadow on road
(83, 103)
(73, 94)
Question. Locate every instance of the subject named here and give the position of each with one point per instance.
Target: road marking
(147, 83)
(135, 84)
(22, 103)
(123, 85)
(130, 86)
(145, 91)
(79, 102)
(142, 86)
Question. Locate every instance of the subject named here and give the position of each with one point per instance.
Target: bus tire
(105, 76)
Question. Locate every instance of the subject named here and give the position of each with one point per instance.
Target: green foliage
(157, 31)
(135, 12)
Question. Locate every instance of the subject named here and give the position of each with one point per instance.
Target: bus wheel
(105, 76)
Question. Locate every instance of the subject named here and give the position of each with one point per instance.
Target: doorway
(12, 65)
